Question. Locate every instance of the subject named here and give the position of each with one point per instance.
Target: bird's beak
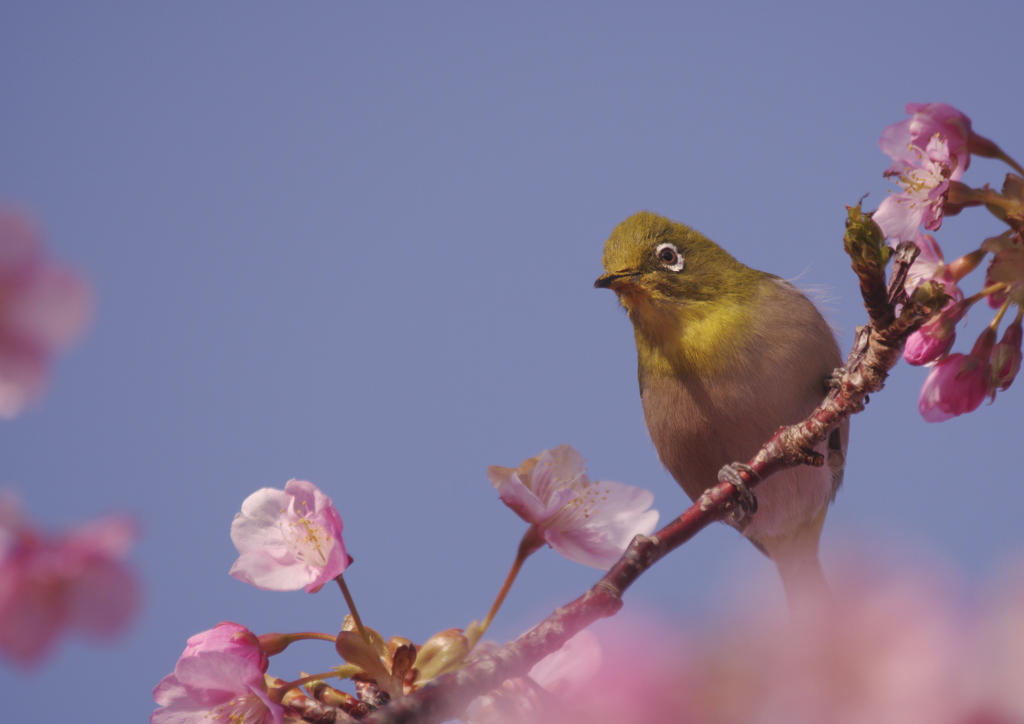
(611, 281)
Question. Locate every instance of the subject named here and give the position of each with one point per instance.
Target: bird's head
(649, 256)
(671, 279)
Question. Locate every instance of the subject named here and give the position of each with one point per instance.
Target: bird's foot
(835, 380)
(747, 504)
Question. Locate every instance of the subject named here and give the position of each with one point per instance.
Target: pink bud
(1006, 357)
(934, 339)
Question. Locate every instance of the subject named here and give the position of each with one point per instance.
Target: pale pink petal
(228, 637)
(600, 524)
(590, 523)
(517, 496)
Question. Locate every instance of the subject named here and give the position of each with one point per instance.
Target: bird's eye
(669, 256)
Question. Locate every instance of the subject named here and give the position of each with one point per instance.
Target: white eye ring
(670, 257)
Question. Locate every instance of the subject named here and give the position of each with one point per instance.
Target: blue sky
(355, 244)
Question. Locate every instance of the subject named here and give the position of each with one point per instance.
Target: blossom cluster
(51, 584)
(291, 539)
(891, 647)
(931, 150)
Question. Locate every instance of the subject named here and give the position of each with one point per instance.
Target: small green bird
(728, 354)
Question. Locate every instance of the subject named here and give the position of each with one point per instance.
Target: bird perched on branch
(728, 354)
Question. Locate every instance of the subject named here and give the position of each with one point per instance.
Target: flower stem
(999, 316)
(984, 293)
(352, 609)
(1013, 164)
(529, 545)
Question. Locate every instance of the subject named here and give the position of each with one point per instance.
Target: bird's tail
(796, 557)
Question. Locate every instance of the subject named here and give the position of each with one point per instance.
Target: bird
(726, 355)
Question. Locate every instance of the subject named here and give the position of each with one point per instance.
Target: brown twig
(875, 351)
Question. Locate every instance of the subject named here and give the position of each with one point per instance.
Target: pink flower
(959, 383)
(928, 120)
(288, 539)
(924, 180)
(590, 523)
(73, 582)
(1006, 357)
(933, 340)
(43, 308)
(218, 678)
(231, 638)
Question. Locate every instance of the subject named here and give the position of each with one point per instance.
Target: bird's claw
(747, 504)
(835, 380)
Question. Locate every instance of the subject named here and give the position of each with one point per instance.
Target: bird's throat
(690, 339)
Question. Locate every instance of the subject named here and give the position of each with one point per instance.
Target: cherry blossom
(924, 182)
(43, 308)
(288, 539)
(928, 120)
(218, 678)
(589, 523)
(49, 585)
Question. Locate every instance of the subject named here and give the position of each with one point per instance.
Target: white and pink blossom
(902, 141)
(288, 539)
(587, 522)
(923, 178)
(218, 678)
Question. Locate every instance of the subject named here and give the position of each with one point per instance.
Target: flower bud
(934, 340)
(963, 266)
(275, 643)
(1006, 357)
(441, 652)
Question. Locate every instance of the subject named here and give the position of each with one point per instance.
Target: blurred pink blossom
(561, 676)
(218, 678)
(43, 308)
(288, 539)
(76, 581)
(959, 383)
(589, 523)
(896, 643)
